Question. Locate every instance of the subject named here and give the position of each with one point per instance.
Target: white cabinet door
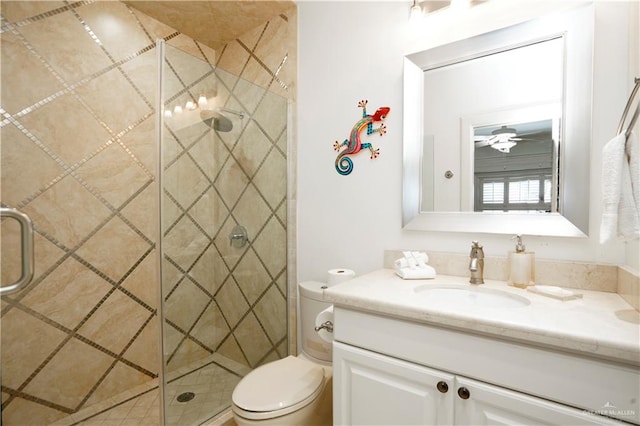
(480, 404)
(373, 389)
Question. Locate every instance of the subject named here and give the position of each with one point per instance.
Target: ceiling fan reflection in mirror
(504, 137)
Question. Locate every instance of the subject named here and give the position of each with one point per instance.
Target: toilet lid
(278, 385)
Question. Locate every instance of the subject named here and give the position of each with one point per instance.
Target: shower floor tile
(212, 381)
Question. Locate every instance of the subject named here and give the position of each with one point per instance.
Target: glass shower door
(223, 233)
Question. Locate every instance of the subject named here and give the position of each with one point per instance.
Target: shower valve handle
(238, 237)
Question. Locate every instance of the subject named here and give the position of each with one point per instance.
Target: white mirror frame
(576, 26)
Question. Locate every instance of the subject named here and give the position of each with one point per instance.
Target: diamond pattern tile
(252, 211)
(271, 178)
(144, 350)
(185, 305)
(114, 101)
(136, 282)
(142, 70)
(19, 89)
(119, 379)
(116, 27)
(232, 303)
(251, 276)
(98, 173)
(37, 339)
(70, 375)
(209, 271)
(66, 46)
(187, 353)
(209, 154)
(209, 212)
(117, 234)
(252, 339)
(185, 182)
(136, 212)
(248, 94)
(19, 152)
(68, 294)
(185, 242)
(272, 115)
(79, 83)
(104, 327)
(271, 247)
(231, 182)
(251, 148)
(68, 211)
(69, 130)
(211, 328)
(271, 311)
(15, 11)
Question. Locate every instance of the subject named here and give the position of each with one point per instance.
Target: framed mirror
(508, 111)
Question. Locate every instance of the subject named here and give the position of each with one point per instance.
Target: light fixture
(202, 100)
(503, 146)
(503, 137)
(190, 105)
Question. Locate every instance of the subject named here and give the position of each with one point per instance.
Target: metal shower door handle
(26, 232)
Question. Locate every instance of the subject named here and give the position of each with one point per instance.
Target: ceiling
(213, 23)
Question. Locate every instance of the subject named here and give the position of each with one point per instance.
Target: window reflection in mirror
(516, 166)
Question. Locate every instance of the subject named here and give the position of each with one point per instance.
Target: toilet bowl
(292, 390)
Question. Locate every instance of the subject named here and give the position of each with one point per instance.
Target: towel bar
(634, 119)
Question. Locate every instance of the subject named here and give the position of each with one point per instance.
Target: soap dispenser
(521, 265)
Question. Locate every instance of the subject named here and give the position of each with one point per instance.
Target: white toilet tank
(311, 304)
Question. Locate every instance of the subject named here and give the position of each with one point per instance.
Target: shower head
(216, 121)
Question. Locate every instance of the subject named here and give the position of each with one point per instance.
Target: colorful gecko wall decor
(354, 144)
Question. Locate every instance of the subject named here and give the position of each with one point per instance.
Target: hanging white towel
(629, 211)
(619, 181)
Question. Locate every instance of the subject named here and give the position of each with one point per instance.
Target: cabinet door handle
(443, 387)
(464, 393)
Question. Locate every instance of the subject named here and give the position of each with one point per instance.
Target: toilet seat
(277, 388)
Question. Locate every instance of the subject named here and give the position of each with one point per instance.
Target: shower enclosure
(79, 124)
(223, 232)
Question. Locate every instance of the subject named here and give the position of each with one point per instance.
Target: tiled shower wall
(221, 297)
(77, 134)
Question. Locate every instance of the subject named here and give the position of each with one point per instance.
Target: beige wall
(77, 134)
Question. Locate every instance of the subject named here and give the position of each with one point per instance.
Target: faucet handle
(476, 249)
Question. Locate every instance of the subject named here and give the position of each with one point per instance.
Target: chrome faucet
(476, 263)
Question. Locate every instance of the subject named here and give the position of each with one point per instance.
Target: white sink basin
(464, 297)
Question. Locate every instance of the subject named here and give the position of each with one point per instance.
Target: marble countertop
(599, 324)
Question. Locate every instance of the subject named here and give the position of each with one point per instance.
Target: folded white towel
(620, 189)
(412, 259)
(425, 273)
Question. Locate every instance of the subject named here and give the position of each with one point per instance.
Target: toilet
(292, 390)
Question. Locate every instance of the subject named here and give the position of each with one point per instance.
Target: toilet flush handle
(327, 325)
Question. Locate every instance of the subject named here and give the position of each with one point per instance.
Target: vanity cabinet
(374, 389)
(390, 371)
